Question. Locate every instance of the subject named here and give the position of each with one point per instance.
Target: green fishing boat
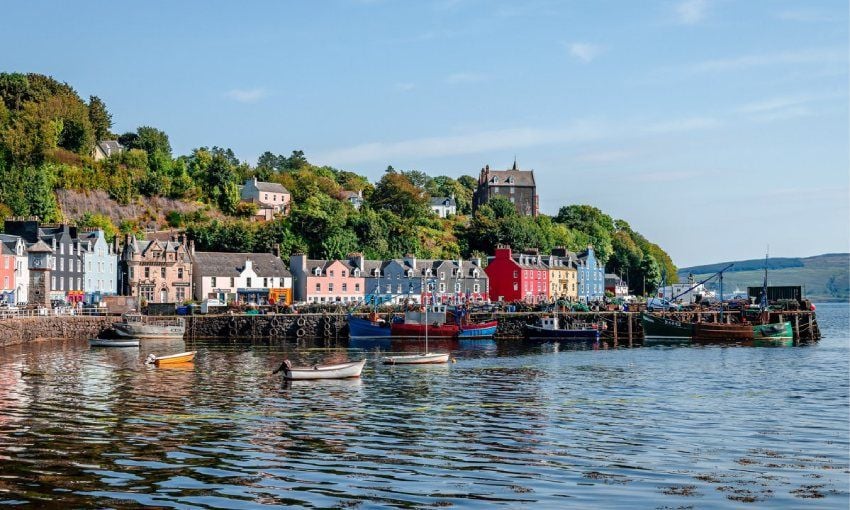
(780, 333)
(663, 330)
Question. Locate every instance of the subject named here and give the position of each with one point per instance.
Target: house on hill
(516, 185)
(106, 148)
(444, 206)
(271, 198)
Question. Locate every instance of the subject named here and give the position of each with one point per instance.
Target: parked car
(660, 304)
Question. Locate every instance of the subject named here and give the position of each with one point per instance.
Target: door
(163, 296)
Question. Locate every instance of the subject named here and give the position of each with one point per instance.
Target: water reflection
(556, 425)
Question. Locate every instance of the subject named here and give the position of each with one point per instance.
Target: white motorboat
(136, 325)
(340, 371)
(113, 342)
(417, 359)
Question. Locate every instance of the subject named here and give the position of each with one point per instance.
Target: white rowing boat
(340, 371)
(113, 342)
(417, 359)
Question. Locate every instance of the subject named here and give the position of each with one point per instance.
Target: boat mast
(763, 302)
(427, 288)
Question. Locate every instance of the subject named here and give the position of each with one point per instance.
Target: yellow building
(563, 276)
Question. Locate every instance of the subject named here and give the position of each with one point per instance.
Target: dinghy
(113, 342)
(340, 371)
(417, 359)
(183, 357)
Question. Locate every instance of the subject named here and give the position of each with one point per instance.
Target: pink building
(7, 274)
(326, 281)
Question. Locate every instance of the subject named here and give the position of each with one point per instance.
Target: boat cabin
(435, 314)
(549, 323)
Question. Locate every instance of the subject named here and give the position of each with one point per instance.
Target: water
(513, 425)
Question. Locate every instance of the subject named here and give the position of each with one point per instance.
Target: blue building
(100, 265)
(591, 276)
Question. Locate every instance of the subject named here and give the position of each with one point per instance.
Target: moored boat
(183, 357)
(416, 359)
(658, 329)
(135, 325)
(549, 328)
(372, 327)
(779, 331)
(429, 322)
(113, 342)
(478, 330)
(338, 371)
(722, 332)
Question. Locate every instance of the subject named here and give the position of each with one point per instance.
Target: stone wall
(20, 330)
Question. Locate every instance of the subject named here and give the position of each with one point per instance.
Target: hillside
(823, 277)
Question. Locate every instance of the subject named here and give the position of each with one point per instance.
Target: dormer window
(494, 180)
(510, 180)
(376, 272)
(410, 273)
(356, 273)
(317, 271)
(428, 272)
(475, 273)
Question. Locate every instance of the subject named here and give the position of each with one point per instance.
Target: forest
(47, 133)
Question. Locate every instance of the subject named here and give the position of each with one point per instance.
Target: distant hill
(823, 277)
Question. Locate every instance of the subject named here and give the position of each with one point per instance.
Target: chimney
(192, 247)
(276, 250)
(356, 260)
(298, 263)
(248, 264)
(410, 259)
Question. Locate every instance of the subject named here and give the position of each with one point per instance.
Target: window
(516, 286)
(345, 287)
(213, 281)
(516, 274)
(79, 283)
(442, 287)
(442, 275)
(410, 273)
(248, 282)
(356, 287)
(318, 287)
(232, 282)
(147, 272)
(266, 196)
(477, 288)
(6, 281)
(53, 283)
(61, 264)
(389, 289)
(330, 287)
(265, 282)
(398, 289)
(332, 274)
(61, 249)
(181, 294)
(162, 272)
(61, 283)
(343, 273)
(180, 273)
(131, 271)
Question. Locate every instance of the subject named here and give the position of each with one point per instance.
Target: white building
(240, 277)
(679, 293)
(270, 196)
(444, 206)
(100, 265)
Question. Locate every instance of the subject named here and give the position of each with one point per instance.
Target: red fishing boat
(432, 319)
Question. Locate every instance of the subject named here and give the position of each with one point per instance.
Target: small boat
(429, 322)
(479, 330)
(659, 330)
(183, 357)
(136, 325)
(113, 342)
(549, 328)
(372, 327)
(340, 371)
(417, 359)
(722, 332)
(775, 331)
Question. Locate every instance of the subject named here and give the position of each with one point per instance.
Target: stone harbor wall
(19, 330)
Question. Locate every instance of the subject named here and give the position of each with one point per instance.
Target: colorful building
(514, 184)
(616, 286)
(17, 245)
(591, 276)
(248, 278)
(156, 271)
(517, 277)
(7, 275)
(326, 281)
(397, 280)
(563, 275)
(100, 265)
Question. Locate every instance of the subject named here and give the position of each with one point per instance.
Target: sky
(716, 128)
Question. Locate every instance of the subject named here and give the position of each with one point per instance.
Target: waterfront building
(517, 277)
(326, 281)
(271, 197)
(16, 245)
(40, 261)
(7, 275)
(397, 280)
(247, 278)
(563, 275)
(516, 185)
(66, 278)
(616, 286)
(156, 271)
(444, 206)
(591, 276)
(100, 265)
(106, 148)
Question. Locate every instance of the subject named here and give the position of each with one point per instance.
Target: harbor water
(510, 423)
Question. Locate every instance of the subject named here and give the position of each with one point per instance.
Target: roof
(520, 177)
(110, 147)
(232, 264)
(349, 195)
(40, 247)
(447, 201)
(271, 187)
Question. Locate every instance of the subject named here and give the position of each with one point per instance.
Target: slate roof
(40, 247)
(110, 147)
(446, 201)
(520, 177)
(271, 187)
(232, 264)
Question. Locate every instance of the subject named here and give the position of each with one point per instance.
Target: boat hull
(147, 331)
(658, 329)
(113, 342)
(577, 335)
(719, 332)
(481, 330)
(364, 328)
(183, 357)
(418, 330)
(417, 359)
(340, 371)
(775, 331)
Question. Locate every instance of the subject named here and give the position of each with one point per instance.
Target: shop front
(258, 297)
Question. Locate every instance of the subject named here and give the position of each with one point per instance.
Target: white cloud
(462, 78)
(246, 95)
(690, 12)
(807, 56)
(584, 52)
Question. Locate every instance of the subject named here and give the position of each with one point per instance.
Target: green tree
(100, 118)
(101, 221)
(395, 193)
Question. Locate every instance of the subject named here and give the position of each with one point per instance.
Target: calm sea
(507, 424)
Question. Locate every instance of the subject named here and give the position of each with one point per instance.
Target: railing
(14, 313)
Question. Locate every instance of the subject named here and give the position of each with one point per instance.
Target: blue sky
(715, 127)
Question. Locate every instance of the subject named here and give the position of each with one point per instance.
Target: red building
(7, 274)
(517, 277)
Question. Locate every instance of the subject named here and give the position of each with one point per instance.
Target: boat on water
(371, 327)
(339, 371)
(113, 342)
(440, 323)
(183, 357)
(659, 329)
(722, 332)
(417, 359)
(136, 325)
(416, 320)
(549, 328)
(478, 330)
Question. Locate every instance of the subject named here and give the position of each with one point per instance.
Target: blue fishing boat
(478, 330)
(372, 327)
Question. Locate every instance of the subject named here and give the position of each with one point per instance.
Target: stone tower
(40, 257)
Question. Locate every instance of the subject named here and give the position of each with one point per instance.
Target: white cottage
(271, 197)
(240, 277)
